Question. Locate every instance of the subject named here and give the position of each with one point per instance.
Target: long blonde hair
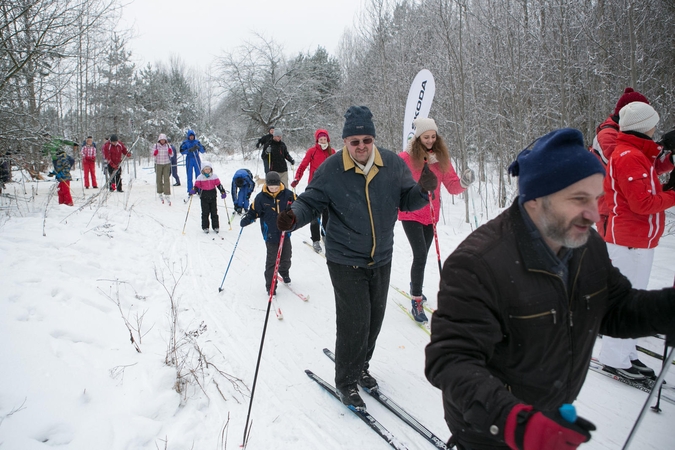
(418, 152)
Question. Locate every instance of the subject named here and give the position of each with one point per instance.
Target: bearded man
(522, 301)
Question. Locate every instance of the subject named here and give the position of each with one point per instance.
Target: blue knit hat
(358, 121)
(556, 161)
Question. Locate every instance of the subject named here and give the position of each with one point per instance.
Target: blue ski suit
(242, 188)
(191, 148)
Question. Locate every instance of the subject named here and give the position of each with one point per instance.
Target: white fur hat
(424, 124)
(638, 116)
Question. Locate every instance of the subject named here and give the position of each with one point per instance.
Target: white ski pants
(636, 265)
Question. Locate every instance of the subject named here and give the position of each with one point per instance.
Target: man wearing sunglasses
(363, 188)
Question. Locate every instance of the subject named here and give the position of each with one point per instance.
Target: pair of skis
(387, 403)
(423, 325)
(667, 393)
(275, 303)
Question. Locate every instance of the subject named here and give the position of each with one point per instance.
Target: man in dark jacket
(522, 301)
(275, 154)
(264, 142)
(363, 188)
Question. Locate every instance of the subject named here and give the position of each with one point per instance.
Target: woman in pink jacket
(314, 157)
(427, 147)
(162, 152)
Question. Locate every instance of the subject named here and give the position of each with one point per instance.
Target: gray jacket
(362, 210)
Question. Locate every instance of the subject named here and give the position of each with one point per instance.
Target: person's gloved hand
(294, 183)
(468, 177)
(51, 174)
(670, 185)
(193, 191)
(286, 220)
(245, 220)
(155, 153)
(529, 429)
(428, 181)
(223, 195)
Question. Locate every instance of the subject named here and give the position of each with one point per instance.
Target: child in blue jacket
(267, 205)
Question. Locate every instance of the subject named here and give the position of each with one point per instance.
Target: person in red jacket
(112, 153)
(636, 204)
(427, 147)
(314, 157)
(605, 142)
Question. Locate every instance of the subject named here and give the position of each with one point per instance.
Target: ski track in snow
(72, 379)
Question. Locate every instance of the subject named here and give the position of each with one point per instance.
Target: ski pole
(659, 382)
(262, 339)
(220, 289)
(229, 222)
(188, 213)
(433, 222)
(657, 407)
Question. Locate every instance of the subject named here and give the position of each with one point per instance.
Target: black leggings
(420, 238)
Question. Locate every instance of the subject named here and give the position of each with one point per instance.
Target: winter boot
(366, 381)
(161, 198)
(350, 396)
(631, 373)
(286, 278)
(168, 199)
(216, 230)
(112, 187)
(206, 230)
(424, 297)
(418, 310)
(317, 246)
(643, 369)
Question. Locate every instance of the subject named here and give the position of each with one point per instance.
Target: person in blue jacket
(266, 206)
(191, 148)
(242, 188)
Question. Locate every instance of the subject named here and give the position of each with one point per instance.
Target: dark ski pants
(316, 227)
(209, 209)
(174, 172)
(284, 261)
(360, 302)
(420, 238)
(117, 179)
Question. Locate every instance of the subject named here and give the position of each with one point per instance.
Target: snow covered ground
(71, 378)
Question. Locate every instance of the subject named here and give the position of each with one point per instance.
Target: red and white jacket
(314, 157)
(633, 193)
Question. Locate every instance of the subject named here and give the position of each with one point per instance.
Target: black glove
(670, 185)
(668, 141)
(286, 220)
(428, 181)
(245, 220)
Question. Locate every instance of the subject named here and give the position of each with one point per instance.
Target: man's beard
(555, 228)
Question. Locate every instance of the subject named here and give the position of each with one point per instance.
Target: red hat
(319, 133)
(629, 96)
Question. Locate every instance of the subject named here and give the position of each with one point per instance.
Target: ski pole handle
(568, 412)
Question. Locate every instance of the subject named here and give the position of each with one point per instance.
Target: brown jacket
(508, 330)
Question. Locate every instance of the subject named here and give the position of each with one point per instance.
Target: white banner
(420, 97)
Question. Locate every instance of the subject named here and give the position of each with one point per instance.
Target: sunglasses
(366, 141)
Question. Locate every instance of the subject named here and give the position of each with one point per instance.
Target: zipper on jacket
(588, 297)
(536, 316)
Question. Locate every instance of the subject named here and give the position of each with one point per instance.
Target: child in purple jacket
(206, 183)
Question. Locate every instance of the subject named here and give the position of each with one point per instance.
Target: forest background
(506, 71)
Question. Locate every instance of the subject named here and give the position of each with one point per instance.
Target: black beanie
(358, 121)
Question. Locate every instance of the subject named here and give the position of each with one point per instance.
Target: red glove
(156, 152)
(295, 183)
(529, 429)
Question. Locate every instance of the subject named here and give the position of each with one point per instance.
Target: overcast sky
(199, 30)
